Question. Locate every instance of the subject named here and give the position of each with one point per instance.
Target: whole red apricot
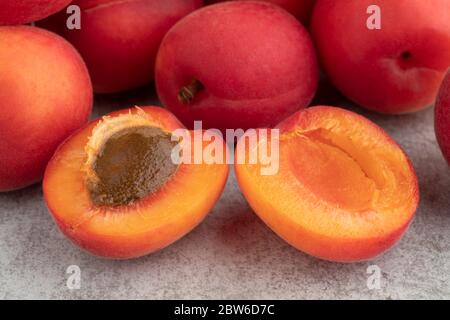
(25, 11)
(45, 93)
(387, 56)
(236, 65)
(302, 9)
(119, 40)
(442, 117)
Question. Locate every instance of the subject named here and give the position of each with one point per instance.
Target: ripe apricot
(114, 189)
(345, 190)
(45, 94)
(395, 69)
(119, 40)
(236, 64)
(442, 117)
(13, 12)
(301, 9)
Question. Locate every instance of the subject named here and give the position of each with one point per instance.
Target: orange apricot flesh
(345, 191)
(118, 223)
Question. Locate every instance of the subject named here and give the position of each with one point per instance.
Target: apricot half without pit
(114, 189)
(345, 191)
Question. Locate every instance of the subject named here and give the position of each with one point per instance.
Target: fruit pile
(344, 190)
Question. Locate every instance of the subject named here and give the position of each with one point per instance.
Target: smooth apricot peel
(119, 39)
(46, 95)
(114, 190)
(345, 191)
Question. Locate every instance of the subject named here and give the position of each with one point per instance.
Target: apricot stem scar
(187, 93)
(406, 55)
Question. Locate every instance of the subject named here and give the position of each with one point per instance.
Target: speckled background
(232, 254)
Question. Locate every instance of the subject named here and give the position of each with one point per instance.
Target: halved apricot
(114, 189)
(344, 192)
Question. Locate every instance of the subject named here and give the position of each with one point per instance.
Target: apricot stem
(187, 93)
(406, 55)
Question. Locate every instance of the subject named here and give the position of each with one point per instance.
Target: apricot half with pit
(116, 191)
(344, 191)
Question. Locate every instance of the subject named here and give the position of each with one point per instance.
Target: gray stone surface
(232, 254)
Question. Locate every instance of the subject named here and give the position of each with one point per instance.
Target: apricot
(45, 93)
(301, 9)
(14, 12)
(119, 40)
(396, 69)
(344, 192)
(442, 117)
(123, 196)
(236, 64)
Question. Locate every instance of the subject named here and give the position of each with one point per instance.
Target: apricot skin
(45, 93)
(142, 227)
(442, 117)
(318, 226)
(119, 40)
(395, 70)
(13, 12)
(301, 9)
(256, 63)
